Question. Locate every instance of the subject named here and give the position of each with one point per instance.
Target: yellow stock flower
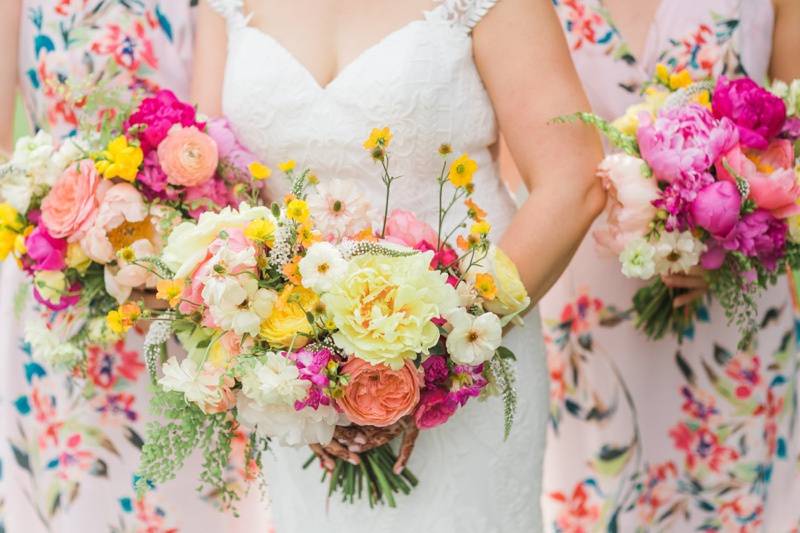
(170, 290)
(259, 171)
(461, 171)
(297, 210)
(261, 230)
(120, 160)
(679, 80)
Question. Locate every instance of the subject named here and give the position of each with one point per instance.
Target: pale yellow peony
(288, 323)
(383, 307)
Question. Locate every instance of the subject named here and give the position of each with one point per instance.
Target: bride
(308, 80)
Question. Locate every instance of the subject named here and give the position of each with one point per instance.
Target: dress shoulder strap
(464, 13)
(232, 10)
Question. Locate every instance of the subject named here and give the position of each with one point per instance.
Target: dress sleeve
(465, 13)
(231, 10)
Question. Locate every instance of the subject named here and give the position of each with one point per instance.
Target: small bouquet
(307, 319)
(82, 217)
(707, 177)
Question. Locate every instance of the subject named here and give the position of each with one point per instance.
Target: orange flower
(484, 284)
(474, 211)
(292, 271)
(376, 395)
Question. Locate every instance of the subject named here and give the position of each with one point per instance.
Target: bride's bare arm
(525, 64)
(9, 43)
(786, 41)
(210, 52)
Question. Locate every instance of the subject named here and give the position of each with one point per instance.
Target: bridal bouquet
(82, 215)
(708, 177)
(313, 318)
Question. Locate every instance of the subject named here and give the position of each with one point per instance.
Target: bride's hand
(148, 296)
(349, 441)
(694, 282)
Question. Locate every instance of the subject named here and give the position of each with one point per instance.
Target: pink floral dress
(662, 436)
(69, 454)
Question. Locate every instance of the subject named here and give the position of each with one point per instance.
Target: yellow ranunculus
(383, 307)
(511, 296)
(120, 160)
(461, 171)
(288, 324)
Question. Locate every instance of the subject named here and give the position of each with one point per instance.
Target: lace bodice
(422, 82)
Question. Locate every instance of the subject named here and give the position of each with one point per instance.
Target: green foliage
(626, 143)
(505, 378)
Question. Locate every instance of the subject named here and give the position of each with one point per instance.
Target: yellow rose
(383, 307)
(288, 324)
(511, 296)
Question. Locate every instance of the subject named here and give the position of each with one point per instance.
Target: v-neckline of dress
(643, 58)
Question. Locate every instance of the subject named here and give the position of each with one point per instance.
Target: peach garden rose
(70, 207)
(376, 395)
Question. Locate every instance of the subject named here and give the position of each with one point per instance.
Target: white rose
(473, 340)
(638, 260)
(322, 266)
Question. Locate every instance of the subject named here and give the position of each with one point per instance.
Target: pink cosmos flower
(46, 251)
(158, 114)
(771, 174)
(684, 141)
(758, 114)
(403, 227)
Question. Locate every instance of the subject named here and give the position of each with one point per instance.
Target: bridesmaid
(660, 436)
(68, 461)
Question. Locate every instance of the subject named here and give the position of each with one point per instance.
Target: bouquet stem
(656, 314)
(375, 475)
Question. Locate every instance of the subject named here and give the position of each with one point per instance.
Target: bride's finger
(328, 463)
(689, 297)
(684, 282)
(406, 447)
(337, 449)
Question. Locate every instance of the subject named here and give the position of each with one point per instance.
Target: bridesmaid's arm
(9, 44)
(525, 64)
(786, 41)
(208, 67)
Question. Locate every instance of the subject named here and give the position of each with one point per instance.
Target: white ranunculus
(677, 252)
(188, 243)
(274, 379)
(322, 266)
(285, 424)
(473, 339)
(638, 259)
(198, 385)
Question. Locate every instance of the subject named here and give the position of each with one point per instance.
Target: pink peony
(716, 208)
(758, 114)
(153, 181)
(631, 197)
(211, 195)
(231, 151)
(436, 406)
(158, 114)
(188, 156)
(46, 251)
(71, 205)
(773, 180)
(403, 227)
(684, 141)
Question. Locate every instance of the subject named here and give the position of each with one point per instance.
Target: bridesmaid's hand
(694, 282)
(349, 441)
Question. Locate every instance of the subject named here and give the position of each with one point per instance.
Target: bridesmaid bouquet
(313, 320)
(82, 217)
(707, 181)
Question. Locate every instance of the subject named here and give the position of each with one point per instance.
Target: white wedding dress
(421, 81)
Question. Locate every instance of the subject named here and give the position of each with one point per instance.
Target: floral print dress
(70, 449)
(662, 436)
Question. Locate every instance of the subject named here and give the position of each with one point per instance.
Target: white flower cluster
(282, 251)
(49, 345)
(673, 253)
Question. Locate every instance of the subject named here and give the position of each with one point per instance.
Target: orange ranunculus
(376, 395)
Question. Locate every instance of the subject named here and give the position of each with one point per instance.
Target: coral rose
(188, 156)
(376, 395)
(71, 205)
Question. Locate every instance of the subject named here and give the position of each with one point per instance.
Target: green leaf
(505, 353)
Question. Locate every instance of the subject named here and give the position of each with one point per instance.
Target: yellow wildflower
(445, 149)
(127, 254)
(312, 178)
(259, 171)
(297, 210)
(120, 160)
(484, 284)
(261, 230)
(170, 290)
(679, 80)
(461, 171)
(481, 228)
(378, 138)
(662, 73)
(287, 166)
(122, 319)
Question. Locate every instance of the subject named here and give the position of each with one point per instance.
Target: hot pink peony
(684, 141)
(158, 114)
(436, 406)
(771, 174)
(716, 208)
(188, 156)
(71, 205)
(403, 227)
(46, 252)
(758, 114)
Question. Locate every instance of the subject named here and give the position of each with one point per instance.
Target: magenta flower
(153, 180)
(758, 114)
(211, 195)
(46, 252)
(68, 299)
(684, 141)
(436, 371)
(716, 208)
(761, 236)
(468, 382)
(158, 114)
(677, 198)
(436, 406)
(311, 366)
